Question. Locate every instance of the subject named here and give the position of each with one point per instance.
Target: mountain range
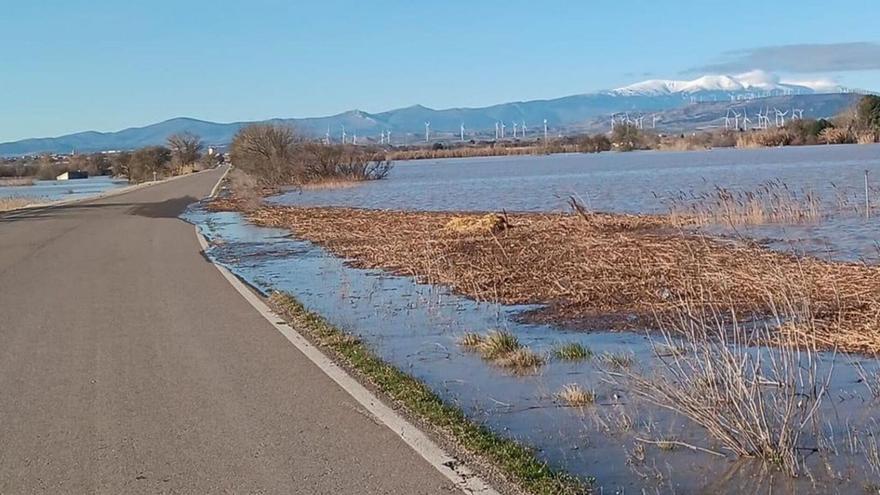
(672, 101)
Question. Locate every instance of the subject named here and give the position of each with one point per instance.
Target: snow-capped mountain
(755, 83)
(575, 112)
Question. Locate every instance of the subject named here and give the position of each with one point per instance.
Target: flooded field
(56, 190)
(627, 440)
(646, 182)
(626, 443)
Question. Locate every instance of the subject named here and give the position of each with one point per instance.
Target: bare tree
(148, 163)
(186, 148)
(267, 152)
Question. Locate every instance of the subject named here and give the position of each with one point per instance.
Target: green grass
(573, 351)
(517, 462)
(498, 343)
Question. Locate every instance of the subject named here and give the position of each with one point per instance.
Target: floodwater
(57, 190)
(415, 327)
(642, 182)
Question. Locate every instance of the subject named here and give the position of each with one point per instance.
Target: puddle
(415, 327)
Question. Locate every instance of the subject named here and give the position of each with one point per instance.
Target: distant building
(74, 174)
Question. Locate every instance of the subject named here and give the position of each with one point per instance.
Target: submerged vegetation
(594, 270)
(503, 349)
(515, 462)
(572, 351)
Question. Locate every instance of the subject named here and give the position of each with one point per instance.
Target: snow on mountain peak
(752, 81)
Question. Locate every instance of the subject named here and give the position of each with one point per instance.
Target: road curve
(129, 365)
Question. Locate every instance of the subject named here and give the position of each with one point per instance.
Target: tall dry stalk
(756, 401)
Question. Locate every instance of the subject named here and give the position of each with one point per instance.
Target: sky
(75, 65)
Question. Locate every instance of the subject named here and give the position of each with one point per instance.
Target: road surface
(129, 365)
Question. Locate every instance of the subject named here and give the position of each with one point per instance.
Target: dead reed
(756, 401)
(594, 270)
(14, 203)
(576, 396)
(478, 150)
(771, 202)
(16, 181)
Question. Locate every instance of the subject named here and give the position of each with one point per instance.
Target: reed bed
(754, 400)
(16, 181)
(476, 151)
(771, 202)
(594, 270)
(14, 203)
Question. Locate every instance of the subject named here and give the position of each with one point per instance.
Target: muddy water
(641, 182)
(415, 327)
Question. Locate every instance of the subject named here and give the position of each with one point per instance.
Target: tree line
(182, 153)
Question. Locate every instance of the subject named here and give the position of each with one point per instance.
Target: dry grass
(594, 270)
(7, 204)
(486, 224)
(16, 181)
(475, 151)
(521, 360)
(576, 396)
(756, 401)
(771, 202)
(471, 340)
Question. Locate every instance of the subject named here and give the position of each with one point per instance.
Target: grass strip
(517, 462)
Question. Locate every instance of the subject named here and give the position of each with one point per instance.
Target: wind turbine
(388, 137)
(327, 136)
(462, 132)
(613, 118)
(654, 119)
(354, 141)
(780, 117)
(343, 134)
(427, 132)
(523, 129)
(746, 120)
(736, 117)
(545, 131)
(514, 129)
(496, 131)
(502, 129)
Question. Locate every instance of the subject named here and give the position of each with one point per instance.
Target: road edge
(460, 475)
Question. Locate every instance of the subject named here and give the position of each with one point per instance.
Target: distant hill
(680, 105)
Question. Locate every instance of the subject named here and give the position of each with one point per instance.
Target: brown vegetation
(771, 202)
(601, 270)
(14, 203)
(275, 156)
(16, 181)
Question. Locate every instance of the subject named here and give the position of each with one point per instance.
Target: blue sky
(72, 65)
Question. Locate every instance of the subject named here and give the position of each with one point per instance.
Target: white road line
(449, 466)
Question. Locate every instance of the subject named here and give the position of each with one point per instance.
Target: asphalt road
(129, 365)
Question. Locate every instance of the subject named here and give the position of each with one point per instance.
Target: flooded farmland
(58, 190)
(626, 442)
